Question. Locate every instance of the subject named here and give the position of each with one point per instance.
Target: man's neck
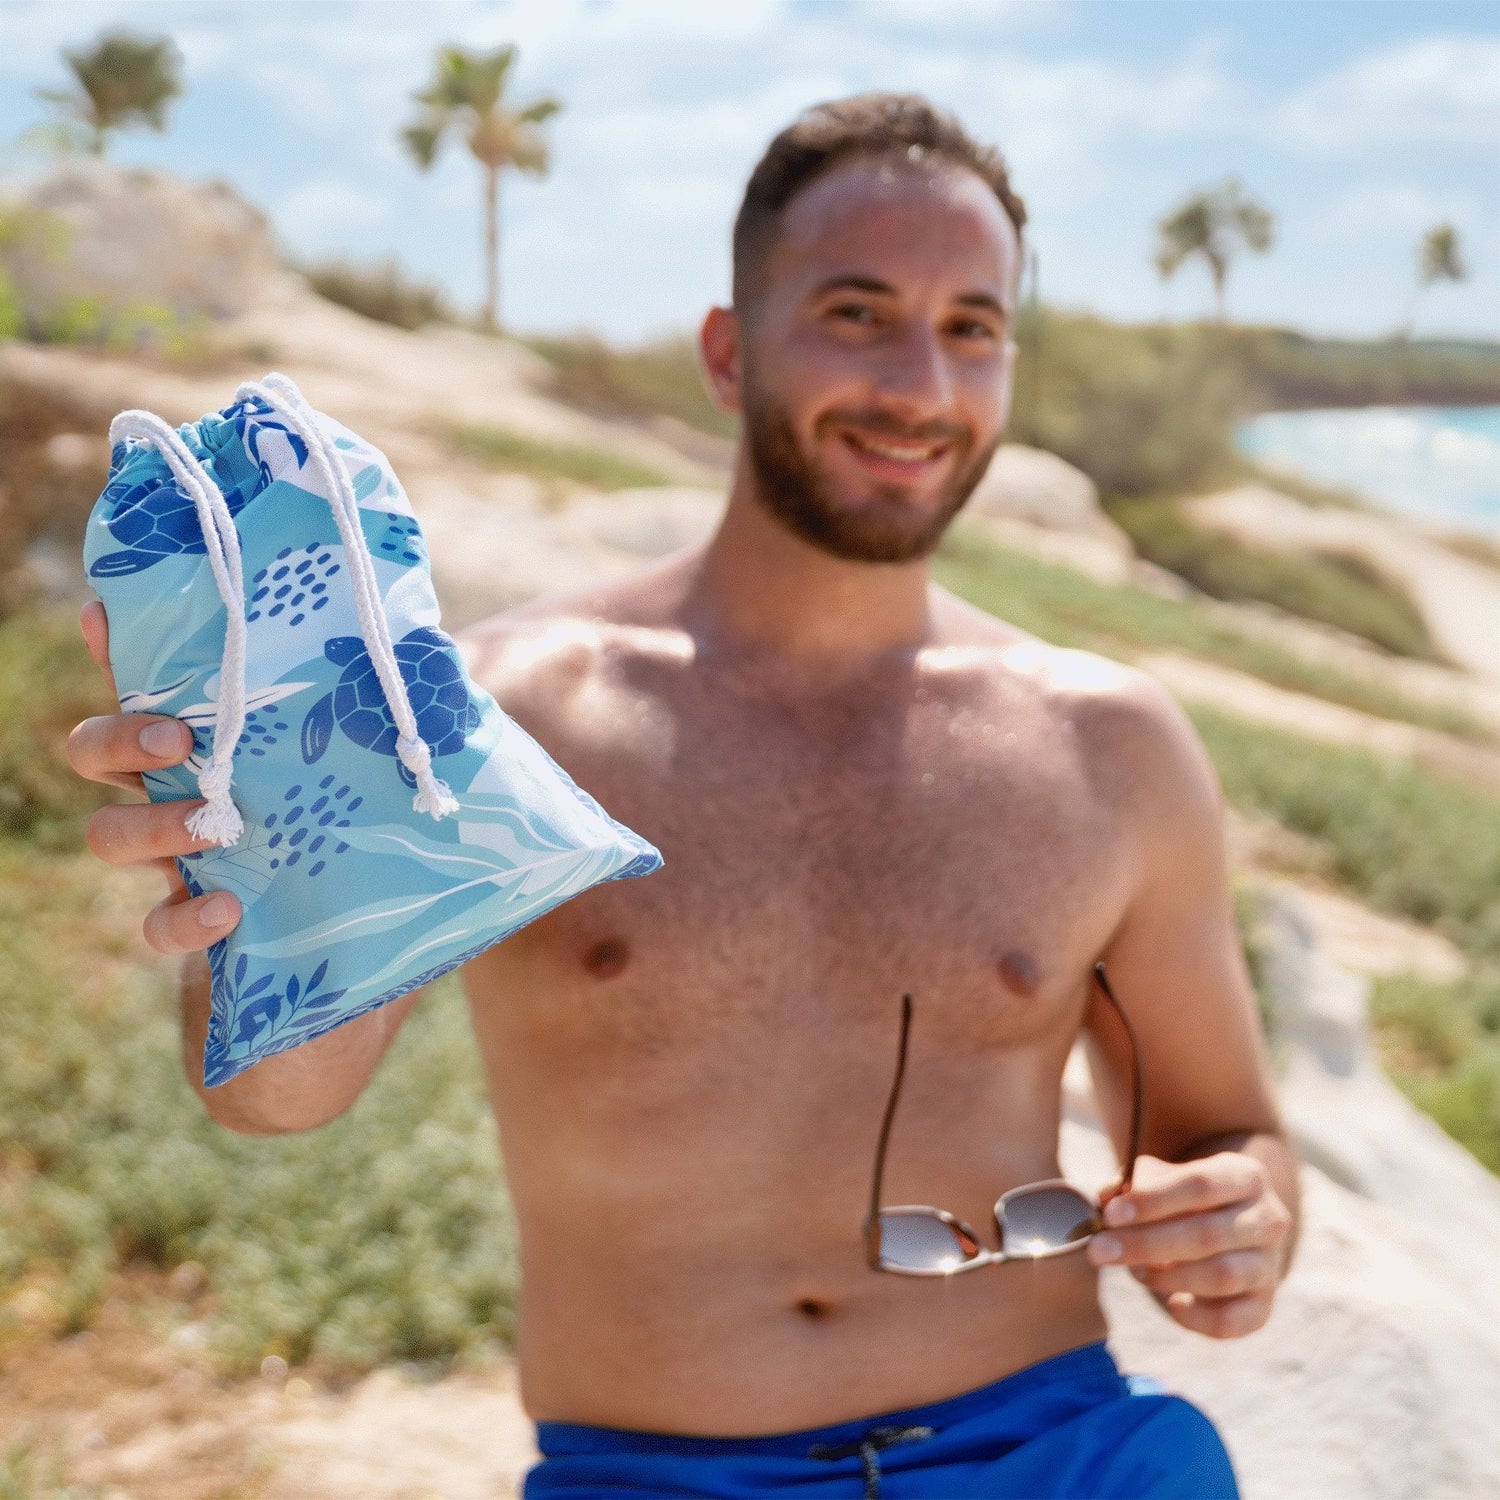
(763, 591)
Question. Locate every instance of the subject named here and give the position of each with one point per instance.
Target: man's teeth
(893, 450)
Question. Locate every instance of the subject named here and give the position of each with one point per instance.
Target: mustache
(881, 424)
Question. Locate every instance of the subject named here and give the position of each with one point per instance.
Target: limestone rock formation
(127, 237)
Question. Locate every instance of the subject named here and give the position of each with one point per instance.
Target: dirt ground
(132, 1410)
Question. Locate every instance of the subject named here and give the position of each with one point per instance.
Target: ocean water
(1441, 463)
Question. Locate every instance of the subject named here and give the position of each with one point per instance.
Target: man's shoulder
(1117, 715)
(1071, 680)
(541, 655)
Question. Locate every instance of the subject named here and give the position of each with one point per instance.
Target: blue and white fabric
(379, 817)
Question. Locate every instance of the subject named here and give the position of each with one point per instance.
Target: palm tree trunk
(491, 248)
(1220, 314)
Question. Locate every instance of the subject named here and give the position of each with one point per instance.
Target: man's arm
(301, 1089)
(1212, 1218)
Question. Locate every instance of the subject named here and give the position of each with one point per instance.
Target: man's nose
(916, 378)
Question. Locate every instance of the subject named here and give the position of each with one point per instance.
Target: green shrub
(596, 467)
(1150, 409)
(384, 292)
(1336, 588)
(656, 379)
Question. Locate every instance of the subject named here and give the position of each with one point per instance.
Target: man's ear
(719, 350)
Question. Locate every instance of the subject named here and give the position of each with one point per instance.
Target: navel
(607, 958)
(813, 1310)
(1018, 971)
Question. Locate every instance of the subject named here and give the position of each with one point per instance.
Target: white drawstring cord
(218, 820)
(278, 392)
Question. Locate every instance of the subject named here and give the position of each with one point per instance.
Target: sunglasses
(1036, 1220)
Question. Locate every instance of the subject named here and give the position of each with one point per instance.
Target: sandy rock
(1459, 597)
(133, 236)
(1029, 484)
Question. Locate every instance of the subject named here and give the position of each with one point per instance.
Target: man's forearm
(300, 1089)
(1274, 1152)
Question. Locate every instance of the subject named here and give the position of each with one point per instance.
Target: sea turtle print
(446, 714)
(154, 517)
(144, 507)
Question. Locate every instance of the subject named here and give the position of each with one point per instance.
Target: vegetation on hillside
(1342, 589)
(1069, 609)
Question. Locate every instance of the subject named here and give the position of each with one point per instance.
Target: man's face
(876, 362)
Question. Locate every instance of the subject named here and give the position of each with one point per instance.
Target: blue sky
(1359, 122)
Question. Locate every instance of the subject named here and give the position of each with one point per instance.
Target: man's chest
(838, 858)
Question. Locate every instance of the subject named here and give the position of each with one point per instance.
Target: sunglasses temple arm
(1135, 1075)
(872, 1221)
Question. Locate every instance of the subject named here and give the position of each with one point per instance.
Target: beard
(886, 528)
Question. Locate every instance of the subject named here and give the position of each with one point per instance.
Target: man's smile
(902, 460)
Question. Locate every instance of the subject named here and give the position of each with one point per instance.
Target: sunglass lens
(1047, 1219)
(923, 1242)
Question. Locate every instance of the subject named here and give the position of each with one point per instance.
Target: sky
(1359, 123)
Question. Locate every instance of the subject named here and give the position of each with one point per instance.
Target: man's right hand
(115, 749)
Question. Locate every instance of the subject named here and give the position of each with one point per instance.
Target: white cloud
(1435, 91)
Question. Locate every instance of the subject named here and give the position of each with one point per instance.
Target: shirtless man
(862, 788)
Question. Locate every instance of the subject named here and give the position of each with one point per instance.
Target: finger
(110, 747)
(1231, 1275)
(184, 924)
(139, 833)
(94, 623)
(1188, 1187)
(1220, 1318)
(1193, 1237)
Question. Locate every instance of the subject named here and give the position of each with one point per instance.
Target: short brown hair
(863, 125)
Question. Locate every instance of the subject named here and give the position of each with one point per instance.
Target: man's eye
(854, 312)
(972, 328)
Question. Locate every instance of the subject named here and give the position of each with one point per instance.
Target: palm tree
(1208, 224)
(466, 94)
(121, 80)
(1438, 259)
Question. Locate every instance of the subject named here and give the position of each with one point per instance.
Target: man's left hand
(1206, 1236)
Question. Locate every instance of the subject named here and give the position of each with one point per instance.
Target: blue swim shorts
(1070, 1427)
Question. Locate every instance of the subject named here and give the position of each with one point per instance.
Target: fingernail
(1106, 1247)
(215, 912)
(161, 738)
(1118, 1211)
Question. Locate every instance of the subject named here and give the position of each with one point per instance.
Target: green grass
(47, 684)
(1069, 609)
(595, 467)
(1336, 588)
(385, 1235)
(1440, 1043)
(1403, 839)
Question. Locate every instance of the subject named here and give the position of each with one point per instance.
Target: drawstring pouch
(379, 817)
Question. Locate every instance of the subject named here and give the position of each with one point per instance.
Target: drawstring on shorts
(218, 819)
(869, 1449)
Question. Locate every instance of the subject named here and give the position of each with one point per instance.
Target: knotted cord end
(218, 820)
(433, 796)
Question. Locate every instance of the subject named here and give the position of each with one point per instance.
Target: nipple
(607, 958)
(1019, 972)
